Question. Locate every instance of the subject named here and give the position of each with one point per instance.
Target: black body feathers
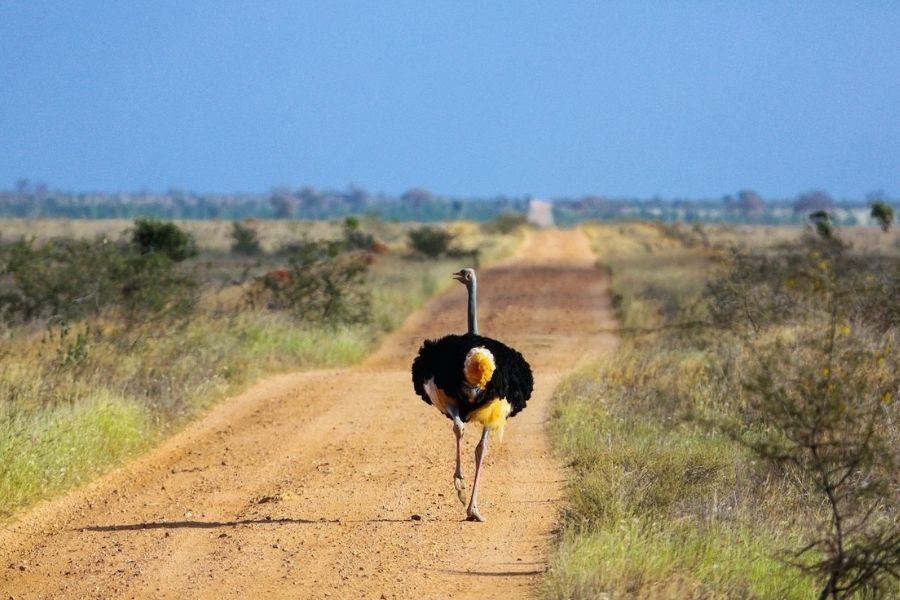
(443, 360)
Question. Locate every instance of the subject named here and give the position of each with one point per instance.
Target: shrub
(506, 223)
(245, 240)
(430, 241)
(884, 214)
(59, 278)
(823, 223)
(354, 238)
(819, 383)
(324, 283)
(820, 403)
(151, 235)
(793, 282)
(72, 279)
(152, 287)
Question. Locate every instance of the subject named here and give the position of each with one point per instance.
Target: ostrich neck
(473, 317)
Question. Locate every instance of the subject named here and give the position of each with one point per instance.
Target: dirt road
(336, 483)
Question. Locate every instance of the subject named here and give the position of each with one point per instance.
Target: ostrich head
(467, 277)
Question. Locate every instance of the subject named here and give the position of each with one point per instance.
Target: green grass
(48, 451)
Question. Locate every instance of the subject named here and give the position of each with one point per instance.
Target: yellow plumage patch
(479, 366)
(492, 415)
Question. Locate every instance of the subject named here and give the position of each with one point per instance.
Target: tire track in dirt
(306, 485)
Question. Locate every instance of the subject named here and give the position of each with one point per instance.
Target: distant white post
(540, 212)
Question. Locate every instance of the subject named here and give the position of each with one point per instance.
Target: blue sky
(681, 99)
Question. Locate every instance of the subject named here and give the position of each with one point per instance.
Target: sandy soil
(336, 483)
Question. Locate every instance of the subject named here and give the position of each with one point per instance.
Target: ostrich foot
(460, 484)
(472, 514)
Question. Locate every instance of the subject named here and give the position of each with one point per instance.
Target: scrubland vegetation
(742, 441)
(113, 334)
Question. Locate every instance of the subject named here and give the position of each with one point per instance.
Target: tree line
(29, 199)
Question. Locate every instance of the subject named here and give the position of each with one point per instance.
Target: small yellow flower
(886, 398)
(845, 330)
(791, 284)
(826, 371)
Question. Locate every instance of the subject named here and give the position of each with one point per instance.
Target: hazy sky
(691, 99)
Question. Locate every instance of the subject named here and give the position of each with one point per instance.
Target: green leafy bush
(65, 279)
(323, 283)
(245, 240)
(150, 235)
(73, 279)
(824, 223)
(430, 241)
(883, 213)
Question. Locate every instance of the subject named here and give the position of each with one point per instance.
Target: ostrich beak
(460, 276)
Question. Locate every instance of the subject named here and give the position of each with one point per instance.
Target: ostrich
(471, 378)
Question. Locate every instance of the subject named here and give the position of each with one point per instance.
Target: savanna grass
(662, 504)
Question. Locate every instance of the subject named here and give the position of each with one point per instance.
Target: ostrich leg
(472, 513)
(458, 482)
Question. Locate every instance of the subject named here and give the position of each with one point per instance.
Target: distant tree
(750, 204)
(813, 201)
(153, 236)
(282, 203)
(245, 240)
(822, 221)
(883, 213)
(22, 185)
(430, 241)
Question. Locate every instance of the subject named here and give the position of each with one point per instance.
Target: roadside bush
(65, 279)
(245, 240)
(819, 380)
(430, 241)
(153, 287)
(811, 278)
(820, 403)
(74, 279)
(151, 235)
(323, 283)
